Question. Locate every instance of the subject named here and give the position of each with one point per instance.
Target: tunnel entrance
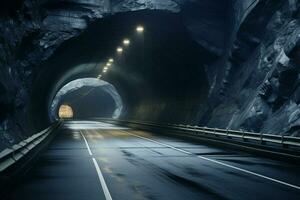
(86, 98)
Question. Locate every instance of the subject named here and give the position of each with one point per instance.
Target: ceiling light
(140, 29)
(120, 50)
(126, 42)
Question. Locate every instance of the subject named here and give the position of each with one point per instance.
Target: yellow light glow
(65, 112)
(126, 42)
(105, 68)
(120, 50)
(111, 60)
(108, 64)
(140, 29)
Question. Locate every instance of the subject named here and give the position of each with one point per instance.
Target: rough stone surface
(263, 83)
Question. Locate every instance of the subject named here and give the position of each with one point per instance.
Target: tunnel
(154, 78)
(141, 99)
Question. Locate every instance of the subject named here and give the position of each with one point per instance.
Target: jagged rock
(132, 5)
(255, 115)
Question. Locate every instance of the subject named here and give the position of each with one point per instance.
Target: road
(100, 161)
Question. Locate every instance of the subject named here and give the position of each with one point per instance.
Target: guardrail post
(261, 139)
(245, 139)
(282, 142)
(204, 131)
(227, 133)
(194, 130)
(215, 132)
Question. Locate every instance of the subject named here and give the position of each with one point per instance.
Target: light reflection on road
(89, 125)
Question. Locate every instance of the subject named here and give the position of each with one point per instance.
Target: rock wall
(30, 31)
(260, 91)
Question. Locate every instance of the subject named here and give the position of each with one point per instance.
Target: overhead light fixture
(111, 60)
(126, 42)
(140, 29)
(105, 68)
(108, 64)
(120, 50)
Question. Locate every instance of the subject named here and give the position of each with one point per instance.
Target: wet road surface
(95, 161)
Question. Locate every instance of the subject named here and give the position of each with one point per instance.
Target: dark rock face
(263, 68)
(253, 83)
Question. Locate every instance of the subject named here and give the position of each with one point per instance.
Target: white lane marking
(166, 145)
(249, 172)
(100, 175)
(102, 181)
(218, 162)
(87, 144)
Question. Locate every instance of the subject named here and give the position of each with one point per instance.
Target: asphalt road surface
(99, 161)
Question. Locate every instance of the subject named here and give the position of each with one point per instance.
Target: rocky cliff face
(259, 89)
(253, 82)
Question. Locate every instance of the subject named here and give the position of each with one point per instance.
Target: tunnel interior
(206, 63)
(155, 78)
(127, 97)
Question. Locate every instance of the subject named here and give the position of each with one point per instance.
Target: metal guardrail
(285, 141)
(13, 154)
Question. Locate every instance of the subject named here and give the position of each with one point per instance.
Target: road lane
(134, 167)
(162, 161)
(274, 169)
(99, 172)
(65, 171)
(227, 164)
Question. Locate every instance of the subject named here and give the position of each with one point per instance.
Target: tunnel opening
(86, 98)
(65, 112)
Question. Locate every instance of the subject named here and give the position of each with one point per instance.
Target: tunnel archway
(88, 98)
(155, 79)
